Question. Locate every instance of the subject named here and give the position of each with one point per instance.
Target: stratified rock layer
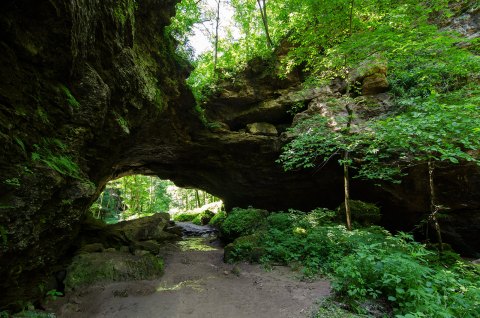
(91, 90)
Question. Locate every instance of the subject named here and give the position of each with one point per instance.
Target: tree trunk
(263, 13)
(346, 176)
(433, 206)
(215, 59)
(351, 17)
(197, 198)
(346, 182)
(100, 207)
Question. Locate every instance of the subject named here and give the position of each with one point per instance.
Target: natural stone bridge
(86, 97)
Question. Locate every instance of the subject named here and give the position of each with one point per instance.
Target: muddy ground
(197, 283)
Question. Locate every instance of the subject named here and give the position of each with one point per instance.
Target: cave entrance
(137, 196)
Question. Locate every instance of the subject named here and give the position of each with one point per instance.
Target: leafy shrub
(366, 263)
(218, 219)
(203, 218)
(397, 270)
(280, 221)
(363, 213)
(246, 248)
(185, 217)
(240, 222)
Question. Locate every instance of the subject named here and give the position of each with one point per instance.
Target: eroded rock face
(79, 84)
(88, 94)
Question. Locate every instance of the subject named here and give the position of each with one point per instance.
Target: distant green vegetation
(367, 263)
(136, 196)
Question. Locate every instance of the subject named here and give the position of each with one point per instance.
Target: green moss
(124, 11)
(71, 100)
(21, 144)
(151, 89)
(42, 115)
(91, 268)
(51, 153)
(241, 222)
(217, 219)
(185, 217)
(203, 218)
(122, 122)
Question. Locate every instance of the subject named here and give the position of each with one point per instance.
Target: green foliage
(124, 10)
(188, 13)
(52, 152)
(240, 222)
(317, 142)
(432, 80)
(363, 213)
(365, 264)
(132, 196)
(21, 144)
(53, 294)
(71, 100)
(439, 128)
(203, 218)
(397, 270)
(14, 182)
(329, 308)
(218, 219)
(122, 122)
(185, 217)
(244, 248)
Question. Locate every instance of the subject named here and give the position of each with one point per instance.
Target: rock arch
(86, 96)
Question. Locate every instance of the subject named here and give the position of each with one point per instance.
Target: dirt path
(198, 284)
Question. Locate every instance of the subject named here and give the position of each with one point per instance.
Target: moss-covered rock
(241, 222)
(185, 217)
(218, 219)
(146, 228)
(90, 268)
(203, 218)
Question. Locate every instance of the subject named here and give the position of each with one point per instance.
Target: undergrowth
(365, 264)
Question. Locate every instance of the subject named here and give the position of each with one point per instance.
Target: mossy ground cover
(366, 264)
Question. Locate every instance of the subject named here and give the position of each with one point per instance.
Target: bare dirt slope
(198, 284)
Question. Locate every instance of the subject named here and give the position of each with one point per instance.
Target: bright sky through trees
(201, 40)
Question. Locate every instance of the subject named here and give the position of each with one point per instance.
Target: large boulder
(145, 228)
(262, 129)
(93, 268)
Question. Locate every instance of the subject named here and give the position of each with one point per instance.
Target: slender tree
(262, 6)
